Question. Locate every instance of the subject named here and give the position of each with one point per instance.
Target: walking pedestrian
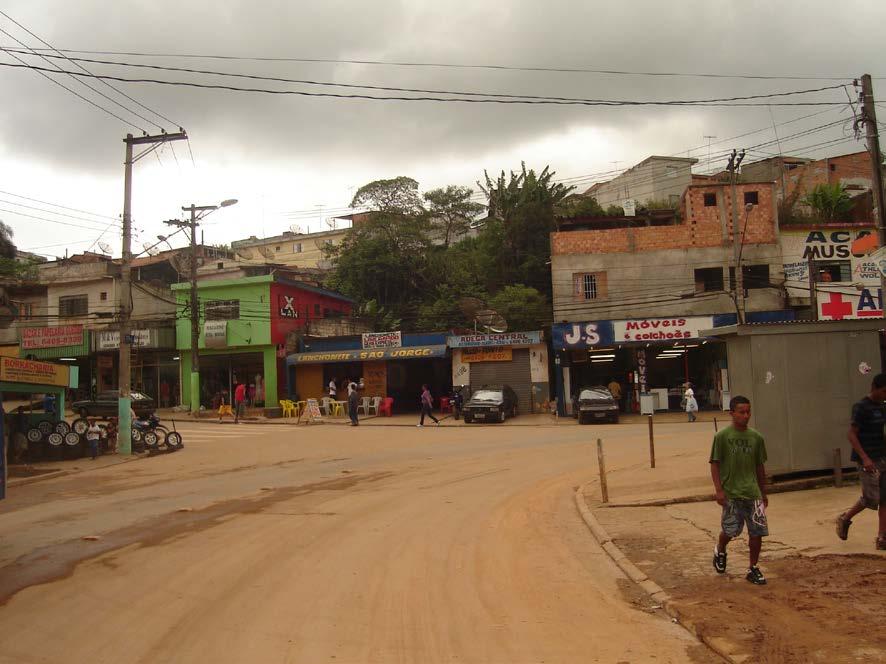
(333, 390)
(869, 452)
(690, 404)
(614, 388)
(353, 400)
(737, 460)
(427, 405)
(93, 433)
(239, 402)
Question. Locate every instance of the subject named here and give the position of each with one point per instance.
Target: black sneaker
(719, 561)
(755, 576)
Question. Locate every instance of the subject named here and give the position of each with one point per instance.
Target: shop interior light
(599, 361)
(602, 350)
(67, 359)
(692, 345)
(176, 358)
(598, 357)
(666, 357)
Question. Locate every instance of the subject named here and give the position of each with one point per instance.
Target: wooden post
(604, 491)
(651, 444)
(838, 468)
(715, 425)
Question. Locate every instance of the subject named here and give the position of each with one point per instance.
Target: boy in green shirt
(738, 455)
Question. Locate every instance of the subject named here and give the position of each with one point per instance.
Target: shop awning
(360, 355)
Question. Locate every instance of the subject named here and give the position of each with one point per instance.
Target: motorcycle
(153, 433)
(456, 399)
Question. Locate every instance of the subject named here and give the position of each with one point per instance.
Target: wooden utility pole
(813, 293)
(124, 404)
(869, 117)
(734, 162)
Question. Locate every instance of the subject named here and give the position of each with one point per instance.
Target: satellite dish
(267, 253)
(245, 254)
(491, 320)
(330, 221)
(181, 263)
(470, 306)
(151, 249)
(105, 248)
(295, 228)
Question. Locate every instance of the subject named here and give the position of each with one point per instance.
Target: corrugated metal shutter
(515, 373)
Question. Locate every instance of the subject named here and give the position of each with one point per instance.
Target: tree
(377, 317)
(524, 308)
(451, 211)
(397, 196)
(830, 201)
(524, 204)
(581, 206)
(7, 246)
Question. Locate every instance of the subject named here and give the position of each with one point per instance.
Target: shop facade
(246, 325)
(154, 363)
(69, 344)
(391, 364)
(647, 356)
(517, 359)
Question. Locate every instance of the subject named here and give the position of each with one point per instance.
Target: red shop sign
(51, 337)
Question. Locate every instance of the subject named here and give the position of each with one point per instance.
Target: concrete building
(655, 178)
(303, 250)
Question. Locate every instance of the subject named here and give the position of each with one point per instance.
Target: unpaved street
(326, 544)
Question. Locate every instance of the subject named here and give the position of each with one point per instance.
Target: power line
(72, 61)
(37, 200)
(52, 221)
(416, 90)
(449, 65)
(485, 99)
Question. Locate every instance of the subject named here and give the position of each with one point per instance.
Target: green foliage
(377, 317)
(524, 308)
(581, 206)
(398, 195)
(7, 246)
(830, 201)
(615, 211)
(451, 211)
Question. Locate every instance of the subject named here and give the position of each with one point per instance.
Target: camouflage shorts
(738, 511)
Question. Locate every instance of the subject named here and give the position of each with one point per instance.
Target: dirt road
(326, 545)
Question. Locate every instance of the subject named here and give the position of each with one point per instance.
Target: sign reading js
(582, 335)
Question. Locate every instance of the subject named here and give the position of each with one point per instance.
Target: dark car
(105, 405)
(491, 403)
(595, 404)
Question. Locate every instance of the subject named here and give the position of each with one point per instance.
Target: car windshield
(487, 395)
(595, 393)
(141, 396)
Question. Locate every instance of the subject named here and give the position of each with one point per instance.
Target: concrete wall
(802, 386)
(655, 178)
(282, 248)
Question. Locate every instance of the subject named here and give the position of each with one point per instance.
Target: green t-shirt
(739, 454)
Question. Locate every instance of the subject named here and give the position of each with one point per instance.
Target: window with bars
(73, 305)
(589, 285)
(222, 309)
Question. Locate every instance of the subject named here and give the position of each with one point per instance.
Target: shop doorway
(405, 378)
(220, 374)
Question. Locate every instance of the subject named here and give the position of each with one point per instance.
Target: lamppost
(198, 212)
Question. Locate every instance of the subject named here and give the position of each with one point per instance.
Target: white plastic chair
(375, 402)
(364, 405)
(326, 405)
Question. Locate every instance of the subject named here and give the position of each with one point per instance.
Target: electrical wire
(725, 102)
(52, 221)
(37, 200)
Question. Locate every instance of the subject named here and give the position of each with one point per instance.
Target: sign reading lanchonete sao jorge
(382, 340)
(501, 339)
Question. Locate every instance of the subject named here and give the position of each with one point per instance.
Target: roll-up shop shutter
(515, 373)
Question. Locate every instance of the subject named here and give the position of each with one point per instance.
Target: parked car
(105, 405)
(491, 403)
(595, 404)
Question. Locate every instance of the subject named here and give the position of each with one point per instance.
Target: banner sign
(408, 353)
(215, 334)
(661, 329)
(51, 337)
(502, 339)
(382, 340)
(842, 305)
(829, 246)
(487, 354)
(13, 370)
(110, 339)
(581, 335)
(287, 306)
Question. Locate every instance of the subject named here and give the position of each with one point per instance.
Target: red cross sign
(836, 308)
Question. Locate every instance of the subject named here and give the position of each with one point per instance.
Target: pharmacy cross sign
(836, 308)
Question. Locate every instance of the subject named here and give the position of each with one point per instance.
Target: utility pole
(124, 403)
(194, 378)
(734, 162)
(869, 117)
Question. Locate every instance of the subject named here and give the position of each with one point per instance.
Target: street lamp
(198, 212)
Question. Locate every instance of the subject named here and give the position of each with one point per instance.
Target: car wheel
(468, 418)
(84, 412)
(615, 419)
(46, 427)
(55, 439)
(80, 425)
(514, 411)
(151, 438)
(582, 419)
(501, 415)
(72, 438)
(63, 428)
(34, 435)
(136, 436)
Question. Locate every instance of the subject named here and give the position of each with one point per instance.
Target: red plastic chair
(386, 407)
(444, 404)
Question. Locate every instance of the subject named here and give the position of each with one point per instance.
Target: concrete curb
(24, 481)
(652, 589)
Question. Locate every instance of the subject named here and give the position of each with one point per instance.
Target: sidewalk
(818, 584)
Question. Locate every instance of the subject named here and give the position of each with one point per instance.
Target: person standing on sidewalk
(239, 402)
(353, 401)
(614, 388)
(738, 455)
(869, 452)
(93, 433)
(690, 404)
(427, 405)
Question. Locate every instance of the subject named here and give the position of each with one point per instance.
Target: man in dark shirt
(869, 452)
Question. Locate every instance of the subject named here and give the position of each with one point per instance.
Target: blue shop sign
(582, 335)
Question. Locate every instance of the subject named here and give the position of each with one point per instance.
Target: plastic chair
(327, 405)
(444, 404)
(288, 408)
(387, 407)
(364, 404)
(374, 403)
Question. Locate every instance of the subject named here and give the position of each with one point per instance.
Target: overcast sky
(294, 159)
